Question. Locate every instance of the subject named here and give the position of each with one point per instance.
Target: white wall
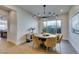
(64, 22)
(24, 22)
(65, 26)
(73, 38)
(12, 27)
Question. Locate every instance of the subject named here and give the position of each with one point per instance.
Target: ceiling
(38, 10)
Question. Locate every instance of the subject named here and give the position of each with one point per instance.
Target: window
(3, 23)
(52, 26)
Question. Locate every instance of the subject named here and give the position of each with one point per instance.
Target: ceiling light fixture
(49, 13)
(44, 13)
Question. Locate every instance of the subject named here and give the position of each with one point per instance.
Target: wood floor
(27, 48)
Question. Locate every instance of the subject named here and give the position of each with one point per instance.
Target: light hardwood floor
(27, 48)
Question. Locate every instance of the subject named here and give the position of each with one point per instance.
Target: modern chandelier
(49, 13)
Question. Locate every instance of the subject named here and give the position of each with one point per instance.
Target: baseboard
(11, 42)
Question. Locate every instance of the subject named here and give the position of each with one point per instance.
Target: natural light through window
(51, 26)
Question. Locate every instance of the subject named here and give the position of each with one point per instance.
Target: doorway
(4, 16)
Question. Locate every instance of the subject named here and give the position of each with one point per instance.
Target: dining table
(46, 36)
(43, 37)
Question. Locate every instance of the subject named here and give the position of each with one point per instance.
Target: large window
(52, 27)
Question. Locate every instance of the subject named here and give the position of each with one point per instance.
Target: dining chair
(36, 41)
(50, 42)
(59, 39)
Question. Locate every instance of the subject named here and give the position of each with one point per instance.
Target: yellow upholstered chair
(59, 39)
(36, 41)
(50, 42)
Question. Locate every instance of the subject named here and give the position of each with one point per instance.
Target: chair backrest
(34, 38)
(51, 42)
(36, 41)
(59, 38)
